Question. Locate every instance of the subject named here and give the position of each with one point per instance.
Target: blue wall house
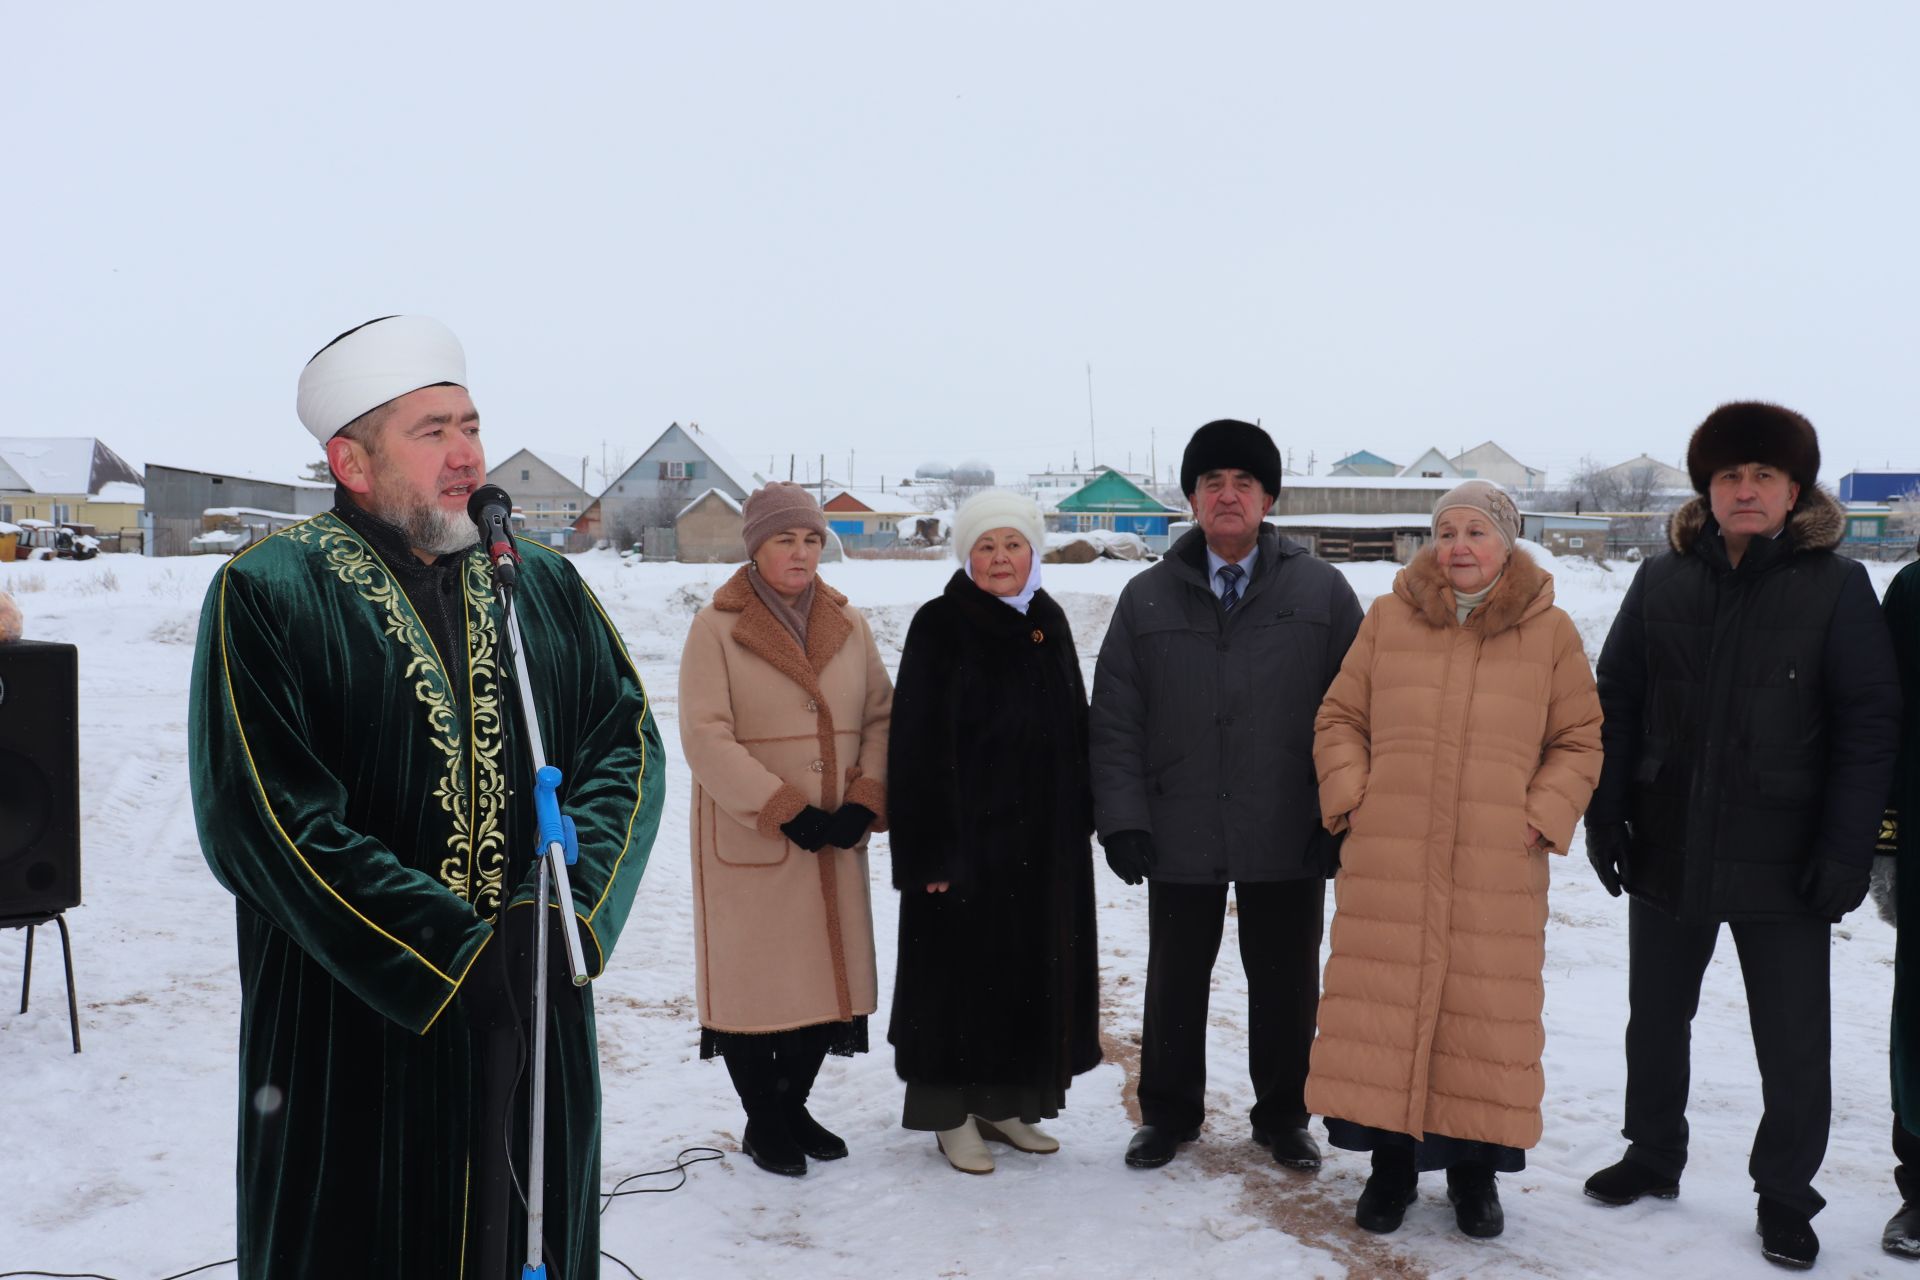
(1878, 486)
(1114, 502)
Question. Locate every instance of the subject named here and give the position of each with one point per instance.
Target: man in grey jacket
(1202, 749)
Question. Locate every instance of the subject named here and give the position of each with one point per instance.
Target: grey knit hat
(1490, 500)
(780, 506)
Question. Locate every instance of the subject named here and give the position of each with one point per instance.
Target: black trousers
(1906, 1174)
(1280, 926)
(1785, 966)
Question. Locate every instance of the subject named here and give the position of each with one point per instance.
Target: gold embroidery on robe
(472, 785)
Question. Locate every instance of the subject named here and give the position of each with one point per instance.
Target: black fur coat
(997, 982)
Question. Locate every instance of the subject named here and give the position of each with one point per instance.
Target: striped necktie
(1230, 575)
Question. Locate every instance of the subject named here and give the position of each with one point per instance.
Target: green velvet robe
(1902, 609)
(371, 815)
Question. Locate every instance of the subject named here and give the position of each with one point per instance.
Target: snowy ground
(120, 1160)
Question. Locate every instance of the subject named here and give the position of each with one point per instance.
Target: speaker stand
(30, 923)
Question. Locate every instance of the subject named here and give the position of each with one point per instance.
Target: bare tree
(612, 465)
(626, 520)
(1634, 494)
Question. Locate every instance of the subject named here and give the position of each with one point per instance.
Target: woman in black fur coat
(996, 998)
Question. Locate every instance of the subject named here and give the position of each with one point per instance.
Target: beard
(425, 524)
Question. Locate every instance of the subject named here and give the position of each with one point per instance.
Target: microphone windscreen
(488, 496)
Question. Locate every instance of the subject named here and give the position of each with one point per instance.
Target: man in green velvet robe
(362, 786)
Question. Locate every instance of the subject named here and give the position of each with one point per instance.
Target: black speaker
(39, 778)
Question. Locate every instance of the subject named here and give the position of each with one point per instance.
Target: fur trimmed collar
(985, 611)
(761, 633)
(1524, 590)
(1818, 524)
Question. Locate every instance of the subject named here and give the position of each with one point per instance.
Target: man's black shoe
(1627, 1181)
(1902, 1236)
(1153, 1145)
(1475, 1193)
(1786, 1235)
(1294, 1148)
(1391, 1187)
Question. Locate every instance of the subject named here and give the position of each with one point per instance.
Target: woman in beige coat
(1458, 746)
(783, 717)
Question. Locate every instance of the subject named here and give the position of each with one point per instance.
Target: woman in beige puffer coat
(1458, 746)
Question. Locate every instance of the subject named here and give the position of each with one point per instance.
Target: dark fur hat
(1230, 443)
(1753, 431)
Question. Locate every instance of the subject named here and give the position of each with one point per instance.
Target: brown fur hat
(1754, 431)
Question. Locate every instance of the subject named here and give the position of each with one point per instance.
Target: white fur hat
(997, 509)
(381, 360)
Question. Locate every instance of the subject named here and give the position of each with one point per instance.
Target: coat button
(812, 705)
(1039, 636)
(818, 766)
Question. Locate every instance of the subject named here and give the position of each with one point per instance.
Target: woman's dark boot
(1393, 1186)
(767, 1141)
(813, 1137)
(1476, 1200)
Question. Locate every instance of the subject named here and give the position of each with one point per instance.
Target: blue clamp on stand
(555, 826)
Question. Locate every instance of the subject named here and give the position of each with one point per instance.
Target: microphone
(491, 509)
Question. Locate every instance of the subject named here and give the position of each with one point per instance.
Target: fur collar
(983, 610)
(1818, 524)
(1524, 590)
(760, 632)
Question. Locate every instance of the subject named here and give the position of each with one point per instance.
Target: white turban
(364, 368)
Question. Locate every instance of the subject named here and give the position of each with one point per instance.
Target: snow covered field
(120, 1160)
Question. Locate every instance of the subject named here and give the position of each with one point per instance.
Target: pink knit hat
(777, 507)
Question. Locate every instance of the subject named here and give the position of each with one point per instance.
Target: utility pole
(823, 477)
(1093, 440)
(789, 468)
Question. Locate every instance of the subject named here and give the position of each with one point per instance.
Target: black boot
(1392, 1187)
(1475, 1193)
(766, 1139)
(813, 1137)
(1625, 1181)
(1902, 1236)
(1786, 1235)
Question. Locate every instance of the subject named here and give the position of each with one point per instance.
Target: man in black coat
(1201, 744)
(1752, 718)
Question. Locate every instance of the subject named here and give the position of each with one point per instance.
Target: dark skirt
(931, 1107)
(841, 1039)
(1435, 1151)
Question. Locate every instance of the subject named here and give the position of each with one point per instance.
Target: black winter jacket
(1752, 717)
(998, 978)
(1202, 721)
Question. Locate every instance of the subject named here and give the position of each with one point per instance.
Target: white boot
(964, 1150)
(1019, 1135)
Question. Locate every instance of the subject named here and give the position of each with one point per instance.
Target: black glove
(498, 991)
(848, 824)
(809, 828)
(1832, 888)
(1323, 851)
(1130, 854)
(1608, 844)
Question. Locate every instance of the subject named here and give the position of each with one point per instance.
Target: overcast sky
(906, 230)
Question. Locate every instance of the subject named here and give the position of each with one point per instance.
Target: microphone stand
(558, 847)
